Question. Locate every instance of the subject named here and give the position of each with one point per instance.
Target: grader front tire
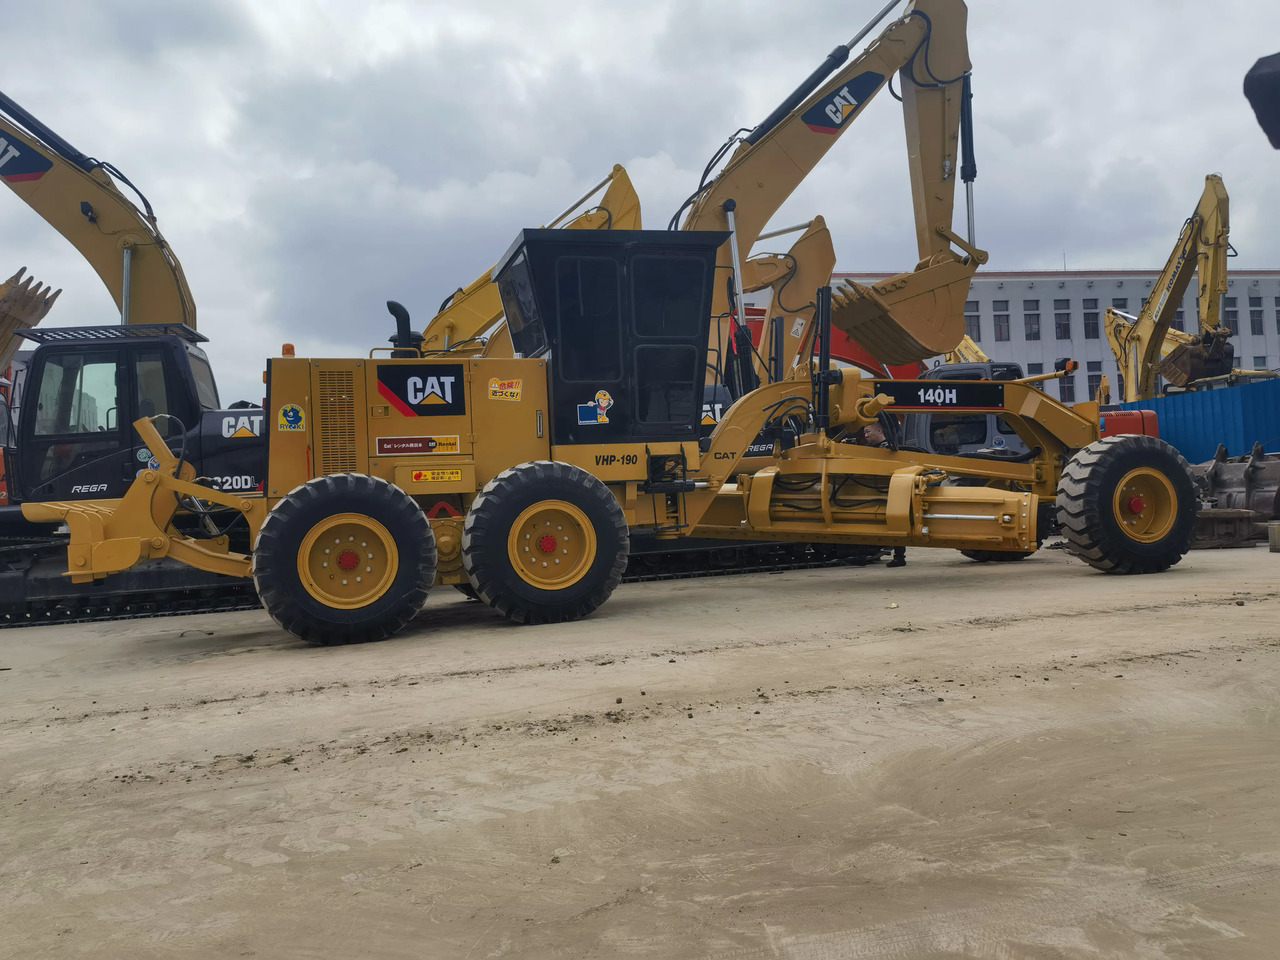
(545, 542)
(345, 558)
(1127, 504)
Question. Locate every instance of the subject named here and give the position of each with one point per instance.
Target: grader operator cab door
(623, 316)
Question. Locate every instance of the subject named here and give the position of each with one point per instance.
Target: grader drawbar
(524, 479)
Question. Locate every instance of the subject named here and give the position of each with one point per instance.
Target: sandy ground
(951, 759)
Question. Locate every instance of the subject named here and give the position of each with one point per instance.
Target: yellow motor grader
(550, 461)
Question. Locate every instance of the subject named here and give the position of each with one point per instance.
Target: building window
(1094, 370)
(972, 326)
(1000, 318)
(1178, 320)
(1091, 330)
(1062, 326)
(1034, 368)
(1228, 301)
(1062, 304)
(1067, 389)
(1232, 320)
(1031, 319)
(1255, 301)
(1255, 319)
(1260, 363)
(1120, 303)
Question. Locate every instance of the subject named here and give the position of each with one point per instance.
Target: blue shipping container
(1238, 416)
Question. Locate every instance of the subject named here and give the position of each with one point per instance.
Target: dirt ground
(946, 760)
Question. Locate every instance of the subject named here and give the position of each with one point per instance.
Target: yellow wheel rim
(552, 545)
(1145, 504)
(347, 561)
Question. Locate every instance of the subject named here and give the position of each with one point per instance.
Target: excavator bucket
(1195, 361)
(23, 304)
(908, 317)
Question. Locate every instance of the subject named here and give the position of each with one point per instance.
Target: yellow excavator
(910, 316)
(1146, 345)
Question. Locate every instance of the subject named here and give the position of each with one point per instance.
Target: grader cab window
(515, 286)
(589, 307)
(667, 293)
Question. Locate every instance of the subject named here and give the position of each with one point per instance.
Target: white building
(1034, 317)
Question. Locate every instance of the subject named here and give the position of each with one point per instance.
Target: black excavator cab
(960, 434)
(74, 437)
(622, 317)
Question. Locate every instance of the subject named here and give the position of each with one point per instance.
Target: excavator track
(31, 572)
(30, 569)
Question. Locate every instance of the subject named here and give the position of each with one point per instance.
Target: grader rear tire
(345, 558)
(545, 542)
(1127, 504)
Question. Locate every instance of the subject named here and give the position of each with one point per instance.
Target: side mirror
(1064, 363)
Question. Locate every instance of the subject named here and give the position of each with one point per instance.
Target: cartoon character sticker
(597, 411)
(290, 418)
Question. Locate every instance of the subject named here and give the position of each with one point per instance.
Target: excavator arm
(79, 198)
(1140, 343)
(475, 308)
(966, 351)
(911, 316)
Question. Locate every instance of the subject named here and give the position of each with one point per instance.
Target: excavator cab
(87, 385)
(961, 434)
(622, 317)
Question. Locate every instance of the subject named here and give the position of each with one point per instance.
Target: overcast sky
(309, 161)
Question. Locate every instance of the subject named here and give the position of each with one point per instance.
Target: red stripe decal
(395, 401)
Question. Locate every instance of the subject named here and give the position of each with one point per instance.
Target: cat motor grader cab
(557, 457)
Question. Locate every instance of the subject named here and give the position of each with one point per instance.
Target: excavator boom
(79, 198)
(911, 316)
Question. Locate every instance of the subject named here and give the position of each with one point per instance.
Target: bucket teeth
(24, 302)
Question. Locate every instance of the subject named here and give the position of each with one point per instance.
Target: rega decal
(834, 108)
(423, 389)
